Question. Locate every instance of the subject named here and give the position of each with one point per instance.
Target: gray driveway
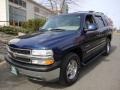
(102, 74)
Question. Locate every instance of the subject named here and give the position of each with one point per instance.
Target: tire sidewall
(63, 71)
(108, 44)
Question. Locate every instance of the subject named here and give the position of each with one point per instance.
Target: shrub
(33, 24)
(28, 27)
(13, 30)
(9, 30)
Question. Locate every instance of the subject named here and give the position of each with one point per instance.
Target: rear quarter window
(99, 21)
(108, 21)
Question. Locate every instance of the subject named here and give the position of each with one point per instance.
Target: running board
(94, 58)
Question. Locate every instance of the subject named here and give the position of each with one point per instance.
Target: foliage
(34, 24)
(13, 30)
(28, 27)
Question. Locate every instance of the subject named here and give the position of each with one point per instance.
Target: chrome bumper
(43, 76)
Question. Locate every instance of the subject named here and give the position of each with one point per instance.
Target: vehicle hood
(41, 40)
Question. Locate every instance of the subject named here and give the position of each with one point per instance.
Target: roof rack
(100, 12)
(91, 11)
(81, 12)
(96, 12)
(88, 12)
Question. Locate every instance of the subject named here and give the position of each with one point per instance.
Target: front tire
(69, 72)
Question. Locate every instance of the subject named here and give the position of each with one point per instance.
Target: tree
(55, 5)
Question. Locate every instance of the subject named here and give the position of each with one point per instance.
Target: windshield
(63, 22)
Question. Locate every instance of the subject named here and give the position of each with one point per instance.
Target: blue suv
(61, 47)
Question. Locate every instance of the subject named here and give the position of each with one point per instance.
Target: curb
(3, 66)
(3, 62)
(4, 41)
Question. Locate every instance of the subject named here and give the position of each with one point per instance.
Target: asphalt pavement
(102, 74)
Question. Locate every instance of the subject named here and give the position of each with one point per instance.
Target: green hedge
(34, 24)
(9, 30)
(13, 30)
(28, 27)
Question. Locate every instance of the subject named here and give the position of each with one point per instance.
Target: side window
(89, 20)
(99, 21)
(109, 21)
(106, 21)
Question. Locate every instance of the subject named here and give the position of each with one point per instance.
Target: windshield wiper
(57, 29)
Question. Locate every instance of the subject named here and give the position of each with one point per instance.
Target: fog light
(43, 62)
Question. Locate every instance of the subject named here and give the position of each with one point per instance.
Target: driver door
(91, 39)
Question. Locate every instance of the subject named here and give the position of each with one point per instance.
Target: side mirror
(91, 27)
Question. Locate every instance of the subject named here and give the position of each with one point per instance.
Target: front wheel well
(76, 50)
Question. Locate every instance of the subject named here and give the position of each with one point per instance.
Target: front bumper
(44, 73)
(43, 76)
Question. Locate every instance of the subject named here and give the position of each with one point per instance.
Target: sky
(111, 8)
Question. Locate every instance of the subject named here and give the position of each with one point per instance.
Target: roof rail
(81, 11)
(91, 11)
(99, 12)
(96, 12)
(88, 12)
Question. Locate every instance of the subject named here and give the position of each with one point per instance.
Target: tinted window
(89, 20)
(99, 21)
(107, 21)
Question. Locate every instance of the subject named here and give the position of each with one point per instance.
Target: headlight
(44, 57)
(42, 52)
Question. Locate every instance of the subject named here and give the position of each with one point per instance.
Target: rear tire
(107, 47)
(69, 71)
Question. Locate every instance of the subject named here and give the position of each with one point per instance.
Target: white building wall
(29, 10)
(4, 13)
(30, 13)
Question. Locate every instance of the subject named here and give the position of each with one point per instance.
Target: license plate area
(14, 70)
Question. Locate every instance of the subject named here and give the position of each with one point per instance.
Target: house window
(17, 16)
(11, 0)
(24, 4)
(36, 9)
(19, 2)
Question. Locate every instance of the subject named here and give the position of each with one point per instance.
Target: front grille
(19, 54)
(21, 51)
(21, 59)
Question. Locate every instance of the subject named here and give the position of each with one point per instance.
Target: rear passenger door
(101, 32)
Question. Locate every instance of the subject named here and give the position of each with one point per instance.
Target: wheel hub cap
(72, 69)
(108, 48)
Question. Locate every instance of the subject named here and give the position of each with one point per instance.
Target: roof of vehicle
(86, 12)
(90, 12)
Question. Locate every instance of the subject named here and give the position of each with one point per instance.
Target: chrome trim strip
(20, 60)
(30, 56)
(95, 47)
